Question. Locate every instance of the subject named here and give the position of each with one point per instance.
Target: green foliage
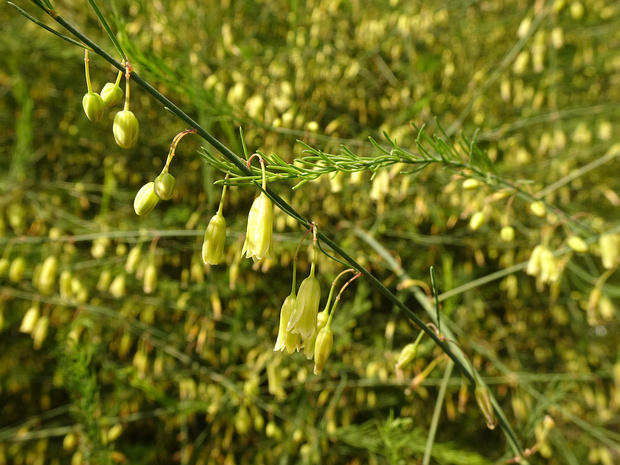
(392, 125)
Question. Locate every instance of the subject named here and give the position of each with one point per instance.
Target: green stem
(87, 68)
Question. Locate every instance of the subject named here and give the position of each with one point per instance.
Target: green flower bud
(30, 320)
(16, 271)
(215, 240)
(483, 398)
(534, 264)
(409, 352)
(507, 234)
(133, 257)
(608, 244)
(164, 185)
(322, 348)
(538, 208)
(303, 318)
(258, 239)
(39, 332)
(111, 94)
(93, 106)
(47, 277)
(577, 244)
(146, 199)
(470, 184)
(476, 221)
(126, 129)
(117, 288)
(150, 278)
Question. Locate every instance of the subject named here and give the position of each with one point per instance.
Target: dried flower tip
(146, 199)
(507, 234)
(303, 318)
(258, 240)
(214, 241)
(538, 208)
(483, 398)
(476, 221)
(93, 106)
(164, 185)
(111, 94)
(126, 129)
(322, 348)
(577, 244)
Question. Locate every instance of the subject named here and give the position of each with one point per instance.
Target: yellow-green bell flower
(146, 199)
(126, 129)
(258, 240)
(285, 315)
(93, 106)
(304, 316)
(322, 348)
(215, 240)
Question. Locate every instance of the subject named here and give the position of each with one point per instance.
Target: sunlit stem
(86, 66)
(128, 70)
(173, 148)
(331, 314)
(118, 79)
(219, 209)
(331, 291)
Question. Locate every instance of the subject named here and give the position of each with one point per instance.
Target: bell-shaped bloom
(287, 340)
(93, 106)
(215, 240)
(322, 348)
(303, 318)
(111, 94)
(259, 238)
(126, 129)
(146, 199)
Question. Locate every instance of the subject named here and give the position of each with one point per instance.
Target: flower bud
(409, 352)
(214, 241)
(111, 94)
(577, 244)
(16, 271)
(608, 243)
(164, 185)
(483, 398)
(47, 277)
(303, 318)
(126, 129)
(150, 278)
(117, 288)
(93, 106)
(507, 234)
(322, 348)
(146, 199)
(30, 320)
(471, 184)
(533, 265)
(476, 221)
(258, 240)
(133, 257)
(39, 332)
(538, 208)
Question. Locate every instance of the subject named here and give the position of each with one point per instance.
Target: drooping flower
(304, 316)
(322, 348)
(258, 240)
(146, 199)
(111, 94)
(93, 106)
(215, 240)
(287, 340)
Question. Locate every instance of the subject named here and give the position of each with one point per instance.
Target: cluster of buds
(301, 324)
(125, 127)
(543, 265)
(162, 187)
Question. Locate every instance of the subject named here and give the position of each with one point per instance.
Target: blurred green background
(104, 364)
